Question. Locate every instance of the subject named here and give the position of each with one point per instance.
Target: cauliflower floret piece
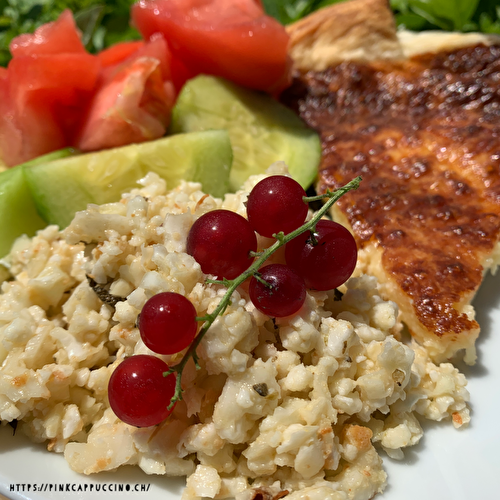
(384, 375)
(300, 333)
(246, 398)
(339, 336)
(227, 345)
(109, 446)
(203, 483)
(290, 437)
(200, 438)
(441, 392)
(299, 378)
(396, 432)
(365, 477)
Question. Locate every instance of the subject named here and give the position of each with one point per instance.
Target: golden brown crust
(360, 30)
(425, 136)
(358, 436)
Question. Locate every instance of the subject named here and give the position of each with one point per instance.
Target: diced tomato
(156, 48)
(26, 136)
(49, 96)
(180, 73)
(133, 102)
(51, 38)
(55, 94)
(60, 77)
(172, 69)
(234, 39)
(118, 53)
(48, 91)
(10, 136)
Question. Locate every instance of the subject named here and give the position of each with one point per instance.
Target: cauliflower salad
(279, 407)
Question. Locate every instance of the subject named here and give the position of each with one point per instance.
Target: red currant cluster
(225, 245)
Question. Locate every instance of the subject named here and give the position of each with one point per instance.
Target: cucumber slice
(54, 155)
(62, 187)
(261, 129)
(17, 209)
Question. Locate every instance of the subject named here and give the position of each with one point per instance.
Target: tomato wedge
(233, 39)
(119, 52)
(49, 94)
(48, 85)
(51, 38)
(54, 94)
(9, 134)
(134, 98)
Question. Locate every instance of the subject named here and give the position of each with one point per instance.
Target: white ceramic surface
(447, 464)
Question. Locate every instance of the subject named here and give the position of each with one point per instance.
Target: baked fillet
(424, 134)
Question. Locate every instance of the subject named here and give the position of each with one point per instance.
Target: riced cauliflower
(293, 406)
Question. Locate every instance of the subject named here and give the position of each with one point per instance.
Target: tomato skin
(10, 137)
(233, 39)
(49, 94)
(133, 100)
(60, 76)
(134, 106)
(48, 85)
(172, 69)
(51, 38)
(118, 53)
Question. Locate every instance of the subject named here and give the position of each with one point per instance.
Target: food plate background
(447, 464)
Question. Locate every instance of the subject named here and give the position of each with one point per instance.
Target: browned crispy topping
(425, 136)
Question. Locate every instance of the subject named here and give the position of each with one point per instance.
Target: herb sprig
(232, 285)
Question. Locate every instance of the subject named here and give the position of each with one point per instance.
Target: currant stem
(258, 277)
(232, 285)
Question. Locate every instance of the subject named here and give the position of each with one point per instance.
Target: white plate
(447, 464)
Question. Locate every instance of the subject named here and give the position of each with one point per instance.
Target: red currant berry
(138, 392)
(221, 242)
(167, 323)
(282, 294)
(275, 204)
(328, 261)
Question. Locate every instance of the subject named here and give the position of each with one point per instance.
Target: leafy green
(450, 15)
(102, 22)
(289, 11)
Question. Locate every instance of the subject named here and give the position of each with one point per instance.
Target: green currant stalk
(232, 285)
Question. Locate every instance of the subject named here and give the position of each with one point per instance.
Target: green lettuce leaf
(102, 22)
